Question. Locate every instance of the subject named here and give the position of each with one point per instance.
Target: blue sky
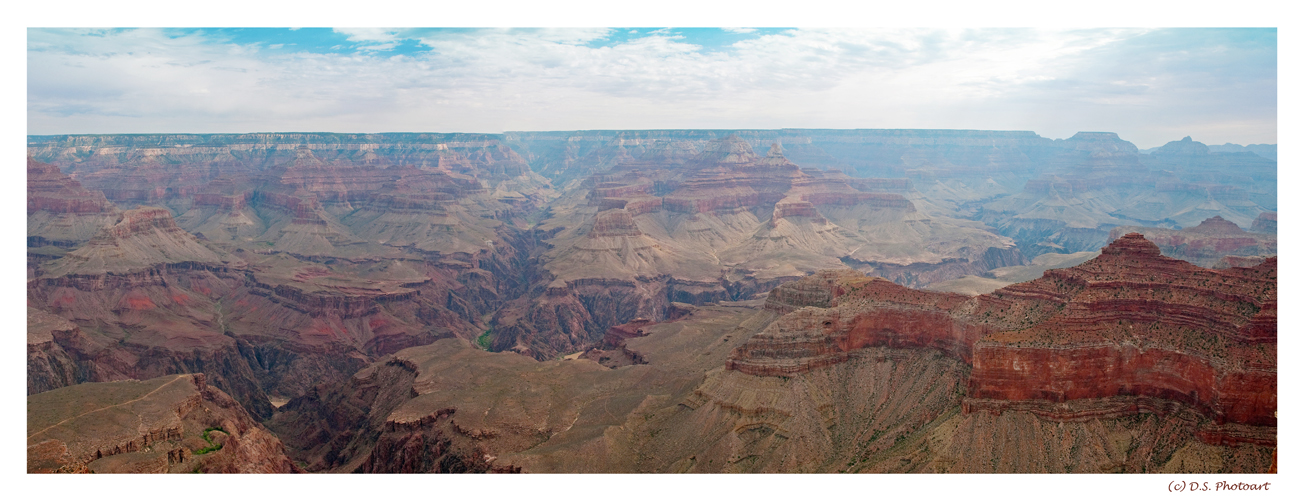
(1149, 85)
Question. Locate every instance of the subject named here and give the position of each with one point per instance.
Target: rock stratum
(173, 423)
(1128, 331)
(269, 262)
(689, 304)
(1214, 243)
(1050, 196)
(723, 223)
(840, 372)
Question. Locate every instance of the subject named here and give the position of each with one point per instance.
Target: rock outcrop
(48, 365)
(174, 423)
(1128, 331)
(1210, 242)
(1266, 222)
(61, 214)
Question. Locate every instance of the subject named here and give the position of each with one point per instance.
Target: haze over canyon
(792, 300)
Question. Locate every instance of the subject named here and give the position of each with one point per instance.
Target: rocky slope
(174, 423)
(1128, 331)
(723, 223)
(61, 214)
(448, 407)
(151, 299)
(1057, 196)
(839, 372)
(277, 261)
(361, 277)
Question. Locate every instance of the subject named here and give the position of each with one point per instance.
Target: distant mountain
(1268, 151)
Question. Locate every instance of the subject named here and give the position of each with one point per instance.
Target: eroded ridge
(1129, 324)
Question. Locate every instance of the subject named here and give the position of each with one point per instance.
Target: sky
(1150, 86)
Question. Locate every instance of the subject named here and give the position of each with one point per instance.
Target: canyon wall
(1128, 331)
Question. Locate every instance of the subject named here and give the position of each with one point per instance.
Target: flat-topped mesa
(1266, 222)
(498, 161)
(790, 207)
(143, 221)
(614, 222)
(1092, 332)
(51, 190)
(1101, 142)
(1217, 225)
(875, 185)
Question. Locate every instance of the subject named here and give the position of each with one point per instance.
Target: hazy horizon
(1150, 86)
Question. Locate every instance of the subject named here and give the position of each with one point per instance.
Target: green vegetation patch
(485, 340)
(211, 447)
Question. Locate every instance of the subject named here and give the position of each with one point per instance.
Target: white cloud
(1053, 82)
(371, 38)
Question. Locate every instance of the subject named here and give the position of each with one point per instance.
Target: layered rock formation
(1213, 240)
(292, 260)
(174, 423)
(48, 365)
(902, 404)
(1103, 182)
(61, 214)
(724, 223)
(448, 407)
(362, 277)
(144, 294)
(1266, 222)
(1056, 196)
(1128, 331)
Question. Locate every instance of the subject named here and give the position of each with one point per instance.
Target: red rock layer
(1129, 323)
(49, 189)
